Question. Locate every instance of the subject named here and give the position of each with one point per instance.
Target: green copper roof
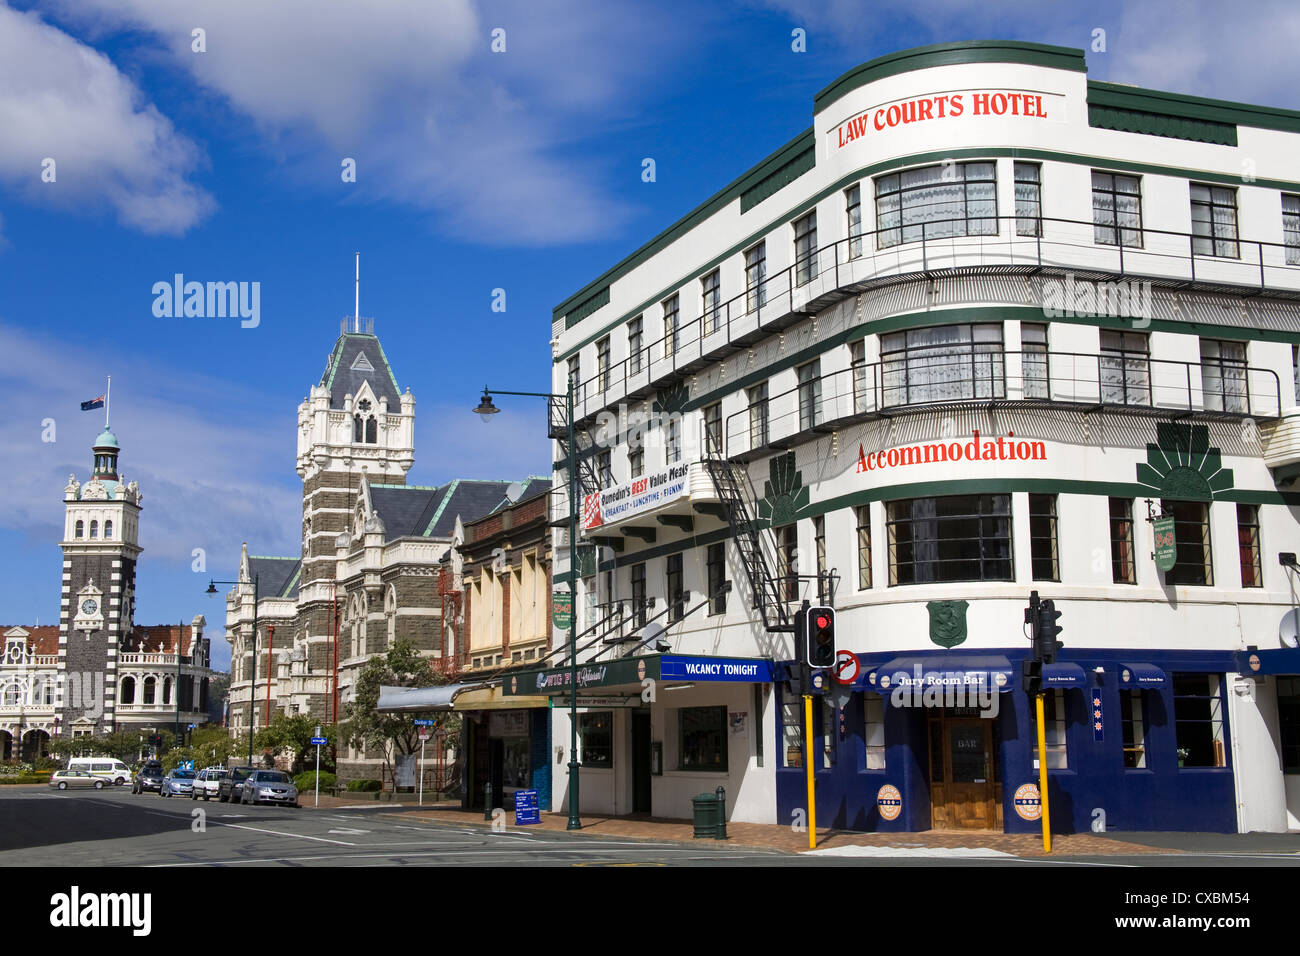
(106, 439)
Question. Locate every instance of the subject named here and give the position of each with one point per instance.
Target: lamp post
(252, 684)
(485, 411)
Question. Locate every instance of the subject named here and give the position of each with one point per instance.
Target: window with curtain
(711, 292)
(858, 362)
(864, 546)
(942, 363)
(1223, 376)
(1125, 368)
(758, 415)
(1034, 359)
(936, 202)
(756, 277)
(805, 248)
(1134, 729)
(810, 395)
(873, 735)
(953, 538)
(1291, 228)
(635, 344)
(853, 211)
(1248, 546)
(1122, 566)
(1214, 221)
(1029, 199)
(671, 309)
(1116, 209)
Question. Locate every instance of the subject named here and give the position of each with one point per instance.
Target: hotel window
(713, 429)
(1248, 546)
(1053, 730)
(670, 306)
(758, 415)
(676, 596)
(819, 547)
(873, 731)
(1214, 221)
(858, 362)
(716, 558)
(638, 595)
(605, 469)
(792, 731)
(756, 277)
(1288, 720)
(853, 209)
(602, 365)
(1291, 228)
(954, 538)
(1029, 199)
(864, 546)
(1034, 360)
(1125, 368)
(788, 572)
(1223, 376)
(711, 288)
(1192, 564)
(674, 440)
(936, 202)
(1043, 547)
(575, 371)
(943, 363)
(596, 737)
(1198, 720)
(805, 248)
(635, 341)
(703, 738)
(1134, 728)
(636, 463)
(1122, 567)
(1116, 209)
(810, 395)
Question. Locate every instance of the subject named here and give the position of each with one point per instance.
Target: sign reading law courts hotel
(945, 106)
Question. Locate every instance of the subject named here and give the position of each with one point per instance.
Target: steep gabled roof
(276, 577)
(358, 357)
(423, 511)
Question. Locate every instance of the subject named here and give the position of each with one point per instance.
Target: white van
(112, 770)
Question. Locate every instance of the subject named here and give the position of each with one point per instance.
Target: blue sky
(475, 171)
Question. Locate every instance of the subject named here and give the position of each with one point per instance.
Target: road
(113, 828)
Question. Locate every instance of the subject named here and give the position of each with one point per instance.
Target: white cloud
(61, 100)
(412, 92)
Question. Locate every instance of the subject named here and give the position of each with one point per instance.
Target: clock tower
(100, 549)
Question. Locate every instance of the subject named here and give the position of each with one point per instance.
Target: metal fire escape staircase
(558, 429)
(748, 534)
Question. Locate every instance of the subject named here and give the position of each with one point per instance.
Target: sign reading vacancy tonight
(939, 107)
(634, 497)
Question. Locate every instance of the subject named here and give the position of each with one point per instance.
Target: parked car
(207, 783)
(70, 779)
(178, 783)
(269, 786)
(148, 777)
(107, 768)
(231, 787)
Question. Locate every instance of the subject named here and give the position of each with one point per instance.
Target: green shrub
(364, 786)
(25, 778)
(306, 782)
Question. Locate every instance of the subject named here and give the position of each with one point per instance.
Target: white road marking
(298, 836)
(348, 830)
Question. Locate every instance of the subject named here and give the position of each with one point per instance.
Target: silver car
(269, 786)
(68, 779)
(178, 783)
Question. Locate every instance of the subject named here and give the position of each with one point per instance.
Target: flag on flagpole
(93, 403)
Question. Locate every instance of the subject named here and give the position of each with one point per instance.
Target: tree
(293, 732)
(392, 734)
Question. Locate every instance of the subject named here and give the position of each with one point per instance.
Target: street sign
(562, 610)
(846, 667)
(319, 742)
(186, 765)
(424, 733)
(527, 809)
(818, 681)
(424, 722)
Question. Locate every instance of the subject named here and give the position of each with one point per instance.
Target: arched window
(167, 691)
(126, 693)
(357, 429)
(372, 431)
(81, 529)
(12, 694)
(108, 529)
(148, 690)
(365, 610)
(390, 614)
(94, 529)
(354, 630)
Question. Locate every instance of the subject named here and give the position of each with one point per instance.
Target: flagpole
(108, 400)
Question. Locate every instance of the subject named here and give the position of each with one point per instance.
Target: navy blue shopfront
(1160, 788)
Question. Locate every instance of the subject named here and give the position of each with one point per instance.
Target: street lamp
(485, 411)
(252, 684)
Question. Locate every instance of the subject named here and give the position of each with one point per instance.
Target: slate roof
(276, 577)
(422, 511)
(534, 485)
(341, 377)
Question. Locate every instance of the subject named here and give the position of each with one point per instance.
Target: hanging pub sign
(1166, 543)
(562, 610)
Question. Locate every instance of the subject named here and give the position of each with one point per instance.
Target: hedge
(306, 782)
(364, 786)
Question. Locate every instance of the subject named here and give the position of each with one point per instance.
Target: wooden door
(962, 790)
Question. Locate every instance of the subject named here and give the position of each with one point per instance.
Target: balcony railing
(1091, 382)
(853, 264)
(32, 661)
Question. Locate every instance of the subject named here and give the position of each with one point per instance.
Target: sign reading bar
(1166, 543)
(634, 497)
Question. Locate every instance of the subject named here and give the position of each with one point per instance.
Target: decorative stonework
(1182, 465)
(947, 622)
(784, 494)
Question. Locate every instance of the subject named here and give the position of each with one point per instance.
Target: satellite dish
(1288, 629)
(654, 634)
(515, 490)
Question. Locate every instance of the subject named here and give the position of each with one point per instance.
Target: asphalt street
(115, 828)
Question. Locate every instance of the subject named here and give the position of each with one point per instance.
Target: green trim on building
(442, 505)
(778, 180)
(949, 54)
(1156, 124)
(597, 301)
(1192, 107)
(293, 581)
(388, 365)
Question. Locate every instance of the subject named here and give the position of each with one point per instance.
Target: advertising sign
(562, 610)
(1166, 543)
(889, 802)
(634, 497)
(527, 809)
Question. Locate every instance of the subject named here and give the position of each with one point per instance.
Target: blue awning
(1141, 675)
(948, 670)
(1064, 675)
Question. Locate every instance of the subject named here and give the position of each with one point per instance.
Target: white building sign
(634, 497)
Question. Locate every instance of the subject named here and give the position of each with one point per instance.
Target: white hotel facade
(962, 339)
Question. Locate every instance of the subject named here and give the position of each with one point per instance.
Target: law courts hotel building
(970, 335)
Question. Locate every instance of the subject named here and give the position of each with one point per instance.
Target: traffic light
(821, 636)
(1031, 675)
(1045, 640)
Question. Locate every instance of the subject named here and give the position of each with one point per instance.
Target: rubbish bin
(707, 814)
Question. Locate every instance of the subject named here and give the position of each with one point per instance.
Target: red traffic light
(823, 620)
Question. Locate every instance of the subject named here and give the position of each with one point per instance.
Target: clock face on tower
(89, 606)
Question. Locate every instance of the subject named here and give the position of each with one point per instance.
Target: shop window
(810, 395)
(1116, 209)
(954, 538)
(1198, 720)
(635, 344)
(1288, 719)
(1248, 546)
(1214, 221)
(1054, 712)
(1223, 376)
(805, 248)
(756, 277)
(1291, 228)
(829, 732)
(717, 568)
(1134, 727)
(703, 741)
(596, 738)
(864, 546)
(853, 211)
(936, 751)
(1125, 367)
(675, 594)
(1193, 564)
(936, 202)
(711, 306)
(1029, 199)
(1043, 547)
(1034, 360)
(942, 363)
(792, 732)
(670, 307)
(1122, 566)
(873, 733)
(758, 415)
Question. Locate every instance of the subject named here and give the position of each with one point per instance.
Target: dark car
(231, 787)
(148, 777)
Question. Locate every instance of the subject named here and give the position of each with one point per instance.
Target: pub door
(640, 762)
(964, 793)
